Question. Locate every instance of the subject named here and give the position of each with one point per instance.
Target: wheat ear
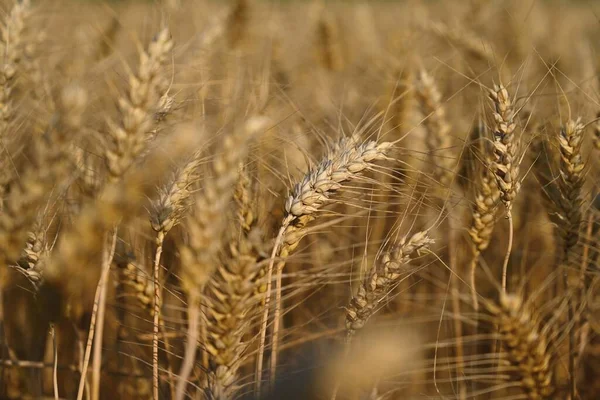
(438, 139)
(168, 211)
(12, 50)
(505, 161)
(206, 224)
(572, 170)
(568, 205)
(528, 346)
(347, 160)
(484, 209)
(231, 296)
(137, 107)
(383, 276)
(47, 166)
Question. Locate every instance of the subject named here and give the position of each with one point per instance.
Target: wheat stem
(156, 318)
(107, 258)
(190, 347)
(508, 251)
(92, 329)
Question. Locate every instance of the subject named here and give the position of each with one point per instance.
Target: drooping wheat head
(382, 278)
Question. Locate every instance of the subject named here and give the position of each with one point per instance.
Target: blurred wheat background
(300, 200)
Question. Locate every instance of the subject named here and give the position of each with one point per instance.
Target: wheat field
(255, 199)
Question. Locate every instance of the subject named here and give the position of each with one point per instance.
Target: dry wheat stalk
(346, 161)
(138, 106)
(527, 344)
(231, 296)
(382, 277)
(438, 139)
(597, 132)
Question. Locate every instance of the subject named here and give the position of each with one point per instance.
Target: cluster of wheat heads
(258, 200)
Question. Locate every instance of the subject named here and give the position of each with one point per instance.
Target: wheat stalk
(597, 132)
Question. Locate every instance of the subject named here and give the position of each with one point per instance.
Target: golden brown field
(300, 200)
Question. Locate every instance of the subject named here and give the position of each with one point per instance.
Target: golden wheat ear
(528, 346)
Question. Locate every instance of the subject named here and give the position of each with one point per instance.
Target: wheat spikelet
(438, 139)
(527, 345)
(381, 279)
(138, 106)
